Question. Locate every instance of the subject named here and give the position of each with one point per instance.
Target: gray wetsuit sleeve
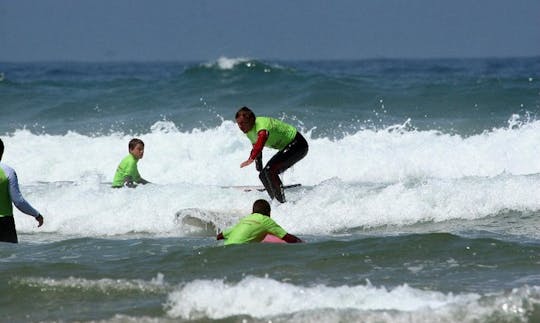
(15, 193)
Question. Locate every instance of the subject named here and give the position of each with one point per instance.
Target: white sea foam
(105, 285)
(226, 63)
(270, 299)
(213, 156)
(370, 178)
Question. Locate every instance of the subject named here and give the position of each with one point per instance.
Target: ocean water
(420, 196)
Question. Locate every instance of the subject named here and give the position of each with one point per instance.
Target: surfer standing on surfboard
(273, 133)
(255, 227)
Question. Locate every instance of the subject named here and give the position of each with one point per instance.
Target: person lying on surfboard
(127, 173)
(255, 227)
(273, 133)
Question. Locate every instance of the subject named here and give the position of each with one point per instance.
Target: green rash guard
(280, 134)
(6, 209)
(127, 167)
(252, 228)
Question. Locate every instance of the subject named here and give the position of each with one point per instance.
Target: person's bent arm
(256, 152)
(262, 137)
(18, 200)
(143, 181)
(290, 238)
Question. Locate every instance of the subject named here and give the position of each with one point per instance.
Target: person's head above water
(245, 118)
(261, 207)
(136, 148)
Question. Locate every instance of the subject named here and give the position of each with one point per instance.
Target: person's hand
(39, 219)
(246, 163)
(128, 182)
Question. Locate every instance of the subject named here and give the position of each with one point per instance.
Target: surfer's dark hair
(261, 207)
(134, 142)
(245, 110)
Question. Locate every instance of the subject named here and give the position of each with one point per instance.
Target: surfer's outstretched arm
(143, 181)
(256, 152)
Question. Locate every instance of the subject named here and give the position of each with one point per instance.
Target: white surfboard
(260, 188)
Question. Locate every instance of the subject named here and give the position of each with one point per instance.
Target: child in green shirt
(127, 173)
(254, 227)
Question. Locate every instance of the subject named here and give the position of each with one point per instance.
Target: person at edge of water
(273, 133)
(254, 227)
(10, 194)
(127, 173)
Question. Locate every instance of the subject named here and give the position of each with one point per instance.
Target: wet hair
(1, 148)
(261, 207)
(245, 111)
(134, 142)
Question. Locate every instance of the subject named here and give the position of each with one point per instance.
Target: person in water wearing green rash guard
(10, 193)
(254, 227)
(127, 173)
(273, 133)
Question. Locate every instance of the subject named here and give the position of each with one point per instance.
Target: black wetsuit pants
(285, 158)
(7, 229)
